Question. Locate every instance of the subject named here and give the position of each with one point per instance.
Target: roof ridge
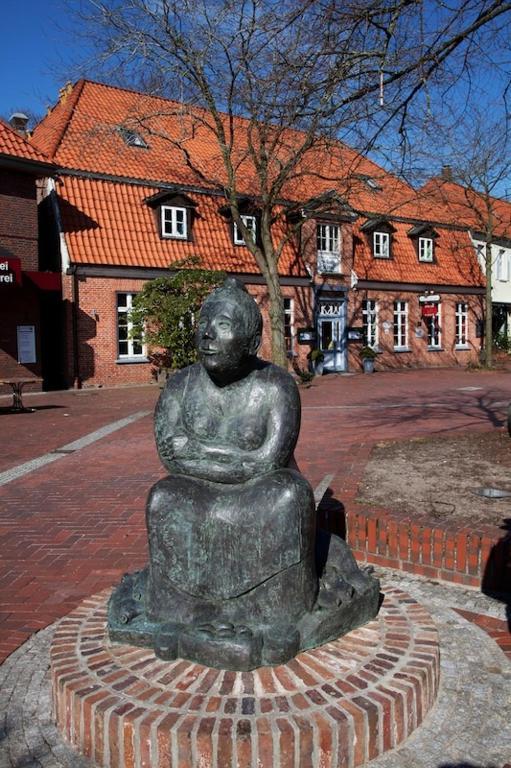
(445, 182)
(110, 86)
(67, 107)
(358, 156)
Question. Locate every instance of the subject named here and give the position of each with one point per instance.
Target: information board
(26, 344)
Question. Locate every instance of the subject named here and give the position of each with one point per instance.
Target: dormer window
(379, 234)
(425, 249)
(424, 237)
(328, 238)
(250, 223)
(132, 138)
(381, 245)
(174, 214)
(174, 222)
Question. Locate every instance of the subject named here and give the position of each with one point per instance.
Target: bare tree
(301, 73)
(478, 163)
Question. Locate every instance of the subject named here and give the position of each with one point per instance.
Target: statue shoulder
(279, 379)
(177, 384)
(179, 379)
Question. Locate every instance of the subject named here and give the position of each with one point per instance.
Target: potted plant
(368, 355)
(316, 358)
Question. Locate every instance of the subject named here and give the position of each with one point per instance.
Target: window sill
(184, 238)
(462, 347)
(436, 349)
(402, 349)
(131, 360)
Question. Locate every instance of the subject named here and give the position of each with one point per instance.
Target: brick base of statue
(341, 704)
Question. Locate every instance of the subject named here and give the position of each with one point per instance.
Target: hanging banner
(10, 271)
(430, 310)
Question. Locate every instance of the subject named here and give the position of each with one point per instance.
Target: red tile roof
(467, 207)
(455, 262)
(109, 223)
(14, 145)
(82, 133)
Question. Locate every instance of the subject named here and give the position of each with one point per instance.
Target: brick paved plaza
(72, 509)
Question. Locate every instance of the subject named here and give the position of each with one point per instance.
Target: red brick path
(73, 527)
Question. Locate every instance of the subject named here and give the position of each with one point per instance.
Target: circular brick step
(338, 705)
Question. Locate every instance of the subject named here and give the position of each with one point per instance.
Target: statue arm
(220, 462)
(169, 430)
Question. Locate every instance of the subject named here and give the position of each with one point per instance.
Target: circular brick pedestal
(338, 705)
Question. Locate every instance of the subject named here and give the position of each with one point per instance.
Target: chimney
(446, 174)
(19, 122)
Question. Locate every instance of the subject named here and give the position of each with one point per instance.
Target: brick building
(29, 292)
(489, 220)
(365, 262)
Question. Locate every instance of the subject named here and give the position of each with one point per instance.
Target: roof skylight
(371, 183)
(132, 138)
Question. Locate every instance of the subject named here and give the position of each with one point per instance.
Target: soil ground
(435, 478)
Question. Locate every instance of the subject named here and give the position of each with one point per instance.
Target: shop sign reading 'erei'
(10, 271)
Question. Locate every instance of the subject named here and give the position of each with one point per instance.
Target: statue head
(229, 330)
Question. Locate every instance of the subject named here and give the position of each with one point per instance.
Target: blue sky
(33, 53)
(38, 47)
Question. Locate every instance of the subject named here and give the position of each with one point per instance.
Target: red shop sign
(430, 310)
(10, 271)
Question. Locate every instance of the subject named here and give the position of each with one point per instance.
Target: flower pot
(368, 364)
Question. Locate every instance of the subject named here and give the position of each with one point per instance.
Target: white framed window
(381, 245)
(127, 346)
(328, 240)
(370, 322)
(174, 222)
(400, 325)
(501, 266)
(425, 249)
(461, 320)
(434, 330)
(250, 223)
(289, 325)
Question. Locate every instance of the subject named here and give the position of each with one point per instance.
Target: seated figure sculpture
(237, 576)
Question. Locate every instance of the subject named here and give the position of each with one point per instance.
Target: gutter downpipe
(67, 269)
(72, 270)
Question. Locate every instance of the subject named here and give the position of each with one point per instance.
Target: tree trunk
(488, 325)
(276, 313)
(268, 263)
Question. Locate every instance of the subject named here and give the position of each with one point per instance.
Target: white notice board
(26, 344)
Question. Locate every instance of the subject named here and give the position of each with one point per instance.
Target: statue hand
(174, 446)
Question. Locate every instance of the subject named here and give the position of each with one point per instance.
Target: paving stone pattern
(469, 724)
(74, 526)
(71, 528)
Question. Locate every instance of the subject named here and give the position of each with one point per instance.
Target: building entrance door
(331, 321)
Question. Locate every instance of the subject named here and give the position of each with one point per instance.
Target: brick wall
(97, 329)
(418, 354)
(19, 305)
(18, 218)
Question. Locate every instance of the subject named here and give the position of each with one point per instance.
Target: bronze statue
(232, 580)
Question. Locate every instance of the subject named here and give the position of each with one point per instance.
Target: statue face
(222, 341)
